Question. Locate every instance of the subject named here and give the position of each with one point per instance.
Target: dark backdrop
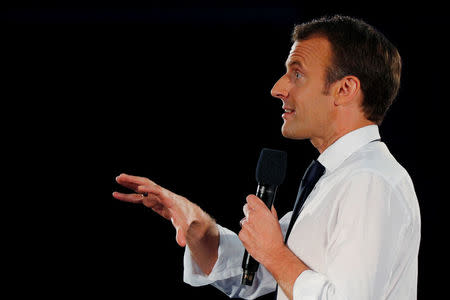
(182, 95)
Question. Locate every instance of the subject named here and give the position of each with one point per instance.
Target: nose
(280, 89)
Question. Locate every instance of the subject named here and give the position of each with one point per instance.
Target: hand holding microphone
(261, 233)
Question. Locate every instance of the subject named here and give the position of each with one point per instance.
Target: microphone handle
(267, 194)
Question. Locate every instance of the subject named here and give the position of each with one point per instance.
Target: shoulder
(373, 177)
(375, 160)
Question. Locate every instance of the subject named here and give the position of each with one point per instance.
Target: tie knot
(313, 173)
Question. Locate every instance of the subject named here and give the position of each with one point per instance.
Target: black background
(181, 94)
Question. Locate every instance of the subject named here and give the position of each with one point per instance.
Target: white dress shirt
(358, 231)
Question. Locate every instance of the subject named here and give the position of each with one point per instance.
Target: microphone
(270, 173)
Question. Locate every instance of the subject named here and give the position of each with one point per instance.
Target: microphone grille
(271, 168)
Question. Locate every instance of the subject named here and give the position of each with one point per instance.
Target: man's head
(337, 67)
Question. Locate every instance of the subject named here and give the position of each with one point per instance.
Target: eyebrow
(294, 62)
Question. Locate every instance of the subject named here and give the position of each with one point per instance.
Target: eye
(298, 75)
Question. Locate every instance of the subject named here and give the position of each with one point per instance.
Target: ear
(346, 90)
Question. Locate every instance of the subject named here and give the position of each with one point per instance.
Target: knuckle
(246, 224)
(241, 234)
(158, 189)
(243, 223)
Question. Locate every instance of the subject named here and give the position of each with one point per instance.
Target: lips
(288, 112)
(288, 109)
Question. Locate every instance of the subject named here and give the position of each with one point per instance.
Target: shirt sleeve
(370, 223)
(227, 272)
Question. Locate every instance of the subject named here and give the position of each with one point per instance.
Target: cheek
(324, 110)
(313, 109)
(305, 104)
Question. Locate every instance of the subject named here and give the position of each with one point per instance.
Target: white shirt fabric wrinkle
(358, 231)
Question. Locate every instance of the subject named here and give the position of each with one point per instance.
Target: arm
(205, 262)
(193, 226)
(227, 272)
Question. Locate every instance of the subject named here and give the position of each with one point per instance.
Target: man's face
(308, 111)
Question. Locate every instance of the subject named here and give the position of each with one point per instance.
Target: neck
(323, 142)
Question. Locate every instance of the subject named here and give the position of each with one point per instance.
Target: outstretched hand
(164, 202)
(193, 226)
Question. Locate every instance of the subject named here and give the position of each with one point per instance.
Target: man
(357, 235)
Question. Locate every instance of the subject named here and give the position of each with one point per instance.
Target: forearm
(202, 237)
(226, 274)
(285, 267)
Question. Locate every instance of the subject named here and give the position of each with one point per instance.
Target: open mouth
(287, 112)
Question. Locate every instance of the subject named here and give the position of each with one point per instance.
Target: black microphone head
(271, 168)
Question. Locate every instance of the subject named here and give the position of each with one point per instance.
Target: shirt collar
(346, 145)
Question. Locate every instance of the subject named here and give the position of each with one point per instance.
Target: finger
(180, 237)
(240, 234)
(243, 235)
(274, 212)
(242, 221)
(254, 202)
(132, 179)
(149, 189)
(129, 185)
(153, 202)
(133, 198)
(150, 201)
(165, 196)
(246, 210)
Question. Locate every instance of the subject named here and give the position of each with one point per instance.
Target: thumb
(274, 212)
(180, 235)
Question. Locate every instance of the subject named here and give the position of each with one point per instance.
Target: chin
(290, 133)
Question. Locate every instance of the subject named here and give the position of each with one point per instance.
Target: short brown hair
(360, 50)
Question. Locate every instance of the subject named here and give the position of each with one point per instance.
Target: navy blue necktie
(309, 180)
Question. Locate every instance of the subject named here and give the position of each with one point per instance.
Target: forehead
(314, 52)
